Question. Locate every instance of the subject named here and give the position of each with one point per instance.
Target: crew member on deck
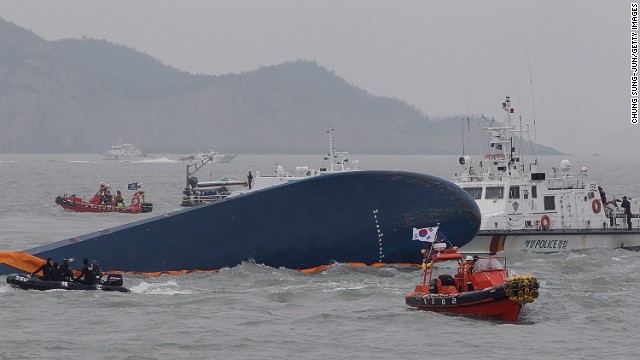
(249, 179)
(626, 205)
(603, 195)
(464, 274)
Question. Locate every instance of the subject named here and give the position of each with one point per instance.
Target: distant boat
(122, 151)
(214, 156)
(199, 193)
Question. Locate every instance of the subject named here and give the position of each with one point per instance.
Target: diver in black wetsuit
(88, 276)
(65, 268)
(55, 274)
(46, 268)
(97, 271)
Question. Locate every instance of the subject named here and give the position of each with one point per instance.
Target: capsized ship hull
(359, 216)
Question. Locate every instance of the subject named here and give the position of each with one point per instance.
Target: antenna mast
(533, 103)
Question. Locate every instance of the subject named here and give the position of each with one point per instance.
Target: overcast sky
(444, 57)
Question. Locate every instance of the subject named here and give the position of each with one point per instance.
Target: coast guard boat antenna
(338, 158)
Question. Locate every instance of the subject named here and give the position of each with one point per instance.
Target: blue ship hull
(359, 216)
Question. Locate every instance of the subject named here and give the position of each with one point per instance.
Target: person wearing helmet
(468, 269)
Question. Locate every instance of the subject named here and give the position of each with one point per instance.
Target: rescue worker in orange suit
(464, 274)
(468, 268)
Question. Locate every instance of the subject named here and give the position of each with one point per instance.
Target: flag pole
(428, 256)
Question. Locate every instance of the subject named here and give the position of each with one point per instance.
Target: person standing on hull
(88, 276)
(626, 205)
(45, 268)
(249, 179)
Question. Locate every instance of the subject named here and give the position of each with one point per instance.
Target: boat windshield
(494, 192)
(487, 265)
(474, 192)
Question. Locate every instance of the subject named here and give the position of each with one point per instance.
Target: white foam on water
(166, 288)
(162, 160)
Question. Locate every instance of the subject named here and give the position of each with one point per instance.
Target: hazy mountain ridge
(79, 95)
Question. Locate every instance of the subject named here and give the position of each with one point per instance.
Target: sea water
(588, 305)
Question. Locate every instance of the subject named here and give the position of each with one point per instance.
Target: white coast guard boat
(123, 151)
(213, 155)
(204, 192)
(524, 208)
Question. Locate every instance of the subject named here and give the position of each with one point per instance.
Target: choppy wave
(170, 287)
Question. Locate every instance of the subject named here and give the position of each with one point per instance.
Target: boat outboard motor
(146, 207)
(114, 280)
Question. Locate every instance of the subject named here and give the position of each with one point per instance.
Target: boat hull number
(545, 244)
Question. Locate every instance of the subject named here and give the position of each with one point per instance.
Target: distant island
(80, 95)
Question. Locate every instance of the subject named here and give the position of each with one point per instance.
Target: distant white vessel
(122, 151)
(214, 157)
(204, 192)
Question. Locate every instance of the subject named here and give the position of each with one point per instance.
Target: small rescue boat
(27, 282)
(103, 201)
(481, 286)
